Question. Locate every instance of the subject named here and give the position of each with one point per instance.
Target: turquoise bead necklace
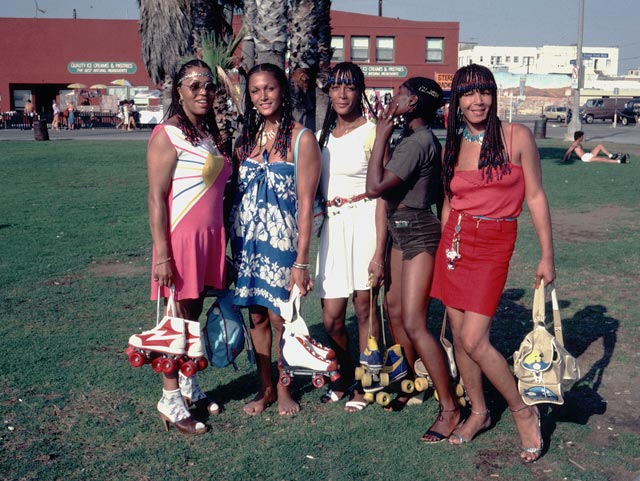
(477, 138)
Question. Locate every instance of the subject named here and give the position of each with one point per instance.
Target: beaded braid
(254, 122)
(344, 72)
(191, 133)
(493, 160)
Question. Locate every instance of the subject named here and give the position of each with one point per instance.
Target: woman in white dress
(352, 241)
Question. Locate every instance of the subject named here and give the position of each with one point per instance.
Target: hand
(546, 271)
(376, 272)
(384, 124)
(163, 274)
(301, 278)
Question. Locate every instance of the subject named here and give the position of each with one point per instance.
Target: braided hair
(189, 130)
(493, 160)
(253, 125)
(344, 73)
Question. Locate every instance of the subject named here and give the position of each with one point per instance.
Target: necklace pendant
(476, 138)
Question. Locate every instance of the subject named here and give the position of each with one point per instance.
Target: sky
(526, 23)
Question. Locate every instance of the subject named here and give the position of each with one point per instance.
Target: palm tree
(165, 31)
(325, 52)
(303, 59)
(270, 29)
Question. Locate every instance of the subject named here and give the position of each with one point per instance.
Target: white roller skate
(298, 357)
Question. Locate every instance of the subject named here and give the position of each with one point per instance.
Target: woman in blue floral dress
(271, 219)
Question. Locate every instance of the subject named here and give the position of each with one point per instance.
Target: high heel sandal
(460, 439)
(537, 452)
(173, 411)
(438, 437)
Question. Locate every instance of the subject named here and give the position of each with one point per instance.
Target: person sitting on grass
(592, 156)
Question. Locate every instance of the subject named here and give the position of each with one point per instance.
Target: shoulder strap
(538, 310)
(295, 154)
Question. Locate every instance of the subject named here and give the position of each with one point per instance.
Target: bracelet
(378, 264)
(297, 265)
(159, 263)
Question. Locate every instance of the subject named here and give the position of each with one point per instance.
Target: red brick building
(41, 57)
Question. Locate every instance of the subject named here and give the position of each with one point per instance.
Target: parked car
(557, 113)
(603, 108)
(631, 112)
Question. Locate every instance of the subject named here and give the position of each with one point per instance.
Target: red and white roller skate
(298, 357)
(161, 346)
(290, 312)
(194, 359)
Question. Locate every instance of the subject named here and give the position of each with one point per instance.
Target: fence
(83, 120)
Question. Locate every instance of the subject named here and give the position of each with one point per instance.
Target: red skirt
(477, 280)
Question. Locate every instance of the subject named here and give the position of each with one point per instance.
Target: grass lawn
(74, 283)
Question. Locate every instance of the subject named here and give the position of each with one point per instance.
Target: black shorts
(414, 231)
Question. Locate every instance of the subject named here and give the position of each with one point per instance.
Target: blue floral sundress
(264, 232)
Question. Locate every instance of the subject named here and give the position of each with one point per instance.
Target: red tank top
(498, 198)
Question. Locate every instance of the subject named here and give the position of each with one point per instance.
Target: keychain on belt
(453, 254)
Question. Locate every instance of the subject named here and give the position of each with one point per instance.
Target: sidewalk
(79, 134)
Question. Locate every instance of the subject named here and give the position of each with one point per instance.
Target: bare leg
(261, 338)
(361, 304)
(333, 318)
(286, 404)
(417, 275)
(473, 338)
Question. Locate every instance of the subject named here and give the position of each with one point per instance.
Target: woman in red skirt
(490, 168)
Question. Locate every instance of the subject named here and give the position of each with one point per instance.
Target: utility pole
(576, 122)
(379, 8)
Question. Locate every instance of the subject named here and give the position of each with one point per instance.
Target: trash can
(40, 131)
(540, 129)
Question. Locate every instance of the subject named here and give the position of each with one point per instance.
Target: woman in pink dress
(187, 173)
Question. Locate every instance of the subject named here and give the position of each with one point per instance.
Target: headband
(465, 87)
(196, 74)
(342, 80)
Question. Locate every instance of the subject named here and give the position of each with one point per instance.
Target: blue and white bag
(225, 334)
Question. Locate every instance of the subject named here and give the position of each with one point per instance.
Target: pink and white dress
(194, 205)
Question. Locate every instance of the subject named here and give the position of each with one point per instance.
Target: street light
(576, 123)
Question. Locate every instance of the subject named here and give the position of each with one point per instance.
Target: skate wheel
(435, 395)
(383, 398)
(367, 379)
(359, 373)
(459, 390)
(169, 365)
(318, 381)
(384, 379)
(285, 379)
(181, 360)
(421, 384)
(137, 359)
(369, 397)
(202, 363)
(156, 364)
(189, 368)
(407, 386)
(335, 376)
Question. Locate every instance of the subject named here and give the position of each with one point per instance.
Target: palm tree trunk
(271, 31)
(325, 52)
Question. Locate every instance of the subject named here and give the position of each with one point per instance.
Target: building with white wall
(548, 59)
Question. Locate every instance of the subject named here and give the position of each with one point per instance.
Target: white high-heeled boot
(193, 393)
(173, 411)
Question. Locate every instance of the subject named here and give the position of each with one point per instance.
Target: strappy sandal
(537, 452)
(437, 437)
(460, 439)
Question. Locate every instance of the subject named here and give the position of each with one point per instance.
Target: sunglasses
(196, 87)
